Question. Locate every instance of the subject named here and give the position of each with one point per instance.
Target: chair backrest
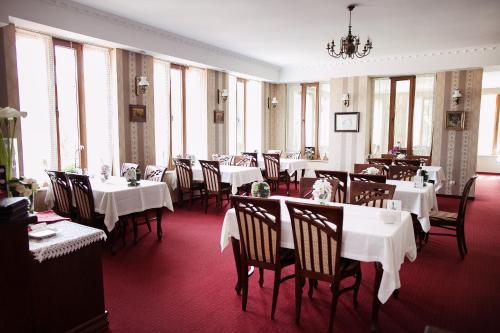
(341, 176)
(253, 156)
(465, 199)
(3, 182)
(272, 166)
(424, 160)
(275, 151)
(370, 194)
(407, 162)
(317, 237)
(211, 175)
(359, 168)
(223, 159)
(245, 161)
(84, 199)
(184, 174)
(402, 172)
(126, 166)
(306, 187)
(387, 156)
(154, 173)
(61, 188)
(363, 177)
(293, 155)
(259, 224)
(380, 161)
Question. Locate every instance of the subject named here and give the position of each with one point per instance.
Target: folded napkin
(50, 216)
(390, 216)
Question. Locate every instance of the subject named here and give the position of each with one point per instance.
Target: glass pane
(176, 111)
(196, 116)
(487, 124)
(254, 116)
(232, 116)
(310, 116)
(294, 107)
(324, 118)
(67, 104)
(401, 113)
(240, 116)
(422, 115)
(380, 120)
(162, 111)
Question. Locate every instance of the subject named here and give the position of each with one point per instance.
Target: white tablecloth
(436, 173)
(114, 198)
(365, 237)
(288, 164)
(69, 238)
(234, 175)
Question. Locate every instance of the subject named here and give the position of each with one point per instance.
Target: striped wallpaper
(274, 118)
(217, 133)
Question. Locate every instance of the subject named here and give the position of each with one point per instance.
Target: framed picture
(218, 117)
(346, 121)
(137, 113)
(455, 120)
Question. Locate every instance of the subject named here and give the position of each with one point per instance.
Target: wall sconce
(456, 96)
(272, 102)
(222, 94)
(345, 99)
(141, 85)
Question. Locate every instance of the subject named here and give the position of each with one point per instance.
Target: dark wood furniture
(306, 187)
(63, 203)
(4, 187)
(317, 250)
(454, 222)
(223, 159)
(295, 175)
(259, 225)
(341, 176)
(370, 194)
(402, 172)
(244, 161)
(273, 174)
(363, 177)
(359, 168)
(213, 185)
(84, 201)
(126, 166)
(407, 162)
(384, 162)
(185, 181)
(424, 160)
(253, 156)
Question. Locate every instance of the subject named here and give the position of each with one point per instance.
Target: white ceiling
(288, 33)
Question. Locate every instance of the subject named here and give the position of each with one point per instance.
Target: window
(240, 115)
(253, 119)
(380, 118)
(489, 124)
(162, 111)
(324, 118)
(294, 115)
(196, 113)
(177, 105)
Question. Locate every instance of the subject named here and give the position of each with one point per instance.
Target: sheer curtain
(161, 72)
(196, 113)
(380, 119)
(231, 116)
(324, 118)
(98, 107)
(254, 116)
(37, 98)
(294, 116)
(487, 125)
(422, 115)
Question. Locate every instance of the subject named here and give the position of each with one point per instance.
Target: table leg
(376, 303)
(159, 231)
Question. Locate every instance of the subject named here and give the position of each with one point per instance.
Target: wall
(217, 133)
(274, 118)
(456, 151)
(349, 148)
(136, 139)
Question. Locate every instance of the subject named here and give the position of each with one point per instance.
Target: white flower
(371, 171)
(130, 174)
(9, 113)
(322, 189)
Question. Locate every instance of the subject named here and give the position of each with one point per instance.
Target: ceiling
(289, 33)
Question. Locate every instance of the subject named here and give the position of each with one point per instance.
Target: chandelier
(349, 45)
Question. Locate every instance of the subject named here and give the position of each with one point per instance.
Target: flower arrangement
(309, 153)
(371, 171)
(322, 190)
(260, 190)
(8, 121)
(423, 173)
(131, 177)
(105, 171)
(24, 187)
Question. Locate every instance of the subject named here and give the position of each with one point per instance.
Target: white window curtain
(161, 80)
(422, 115)
(294, 110)
(37, 97)
(324, 118)
(98, 108)
(380, 121)
(487, 125)
(254, 116)
(196, 113)
(231, 117)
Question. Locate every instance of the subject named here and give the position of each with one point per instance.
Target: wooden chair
(363, 177)
(244, 161)
(317, 237)
(359, 168)
(253, 156)
(402, 172)
(154, 173)
(84, 200)
(454, 222)
(424, 160)
(126, 166)
(4, 187)
(370, 194)
(306, 187)
(275, 151)
(213, 184)
(273, 174)
(384, 162)
(223, 159)
(259, 225)
(407, 162)
(341, 176)
(63, 203)
(185, 181)
(387, 156)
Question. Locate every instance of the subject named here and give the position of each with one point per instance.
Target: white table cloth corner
(237, 176)
(288, 164)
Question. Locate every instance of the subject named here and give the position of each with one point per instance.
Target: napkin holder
(418, 181)
(390, 216)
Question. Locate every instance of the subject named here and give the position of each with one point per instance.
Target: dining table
(380, 236)
(235, 175)
(436, 174)
(290, 165)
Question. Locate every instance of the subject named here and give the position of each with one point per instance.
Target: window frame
(183, 111)
(304, 87)
(392, 111)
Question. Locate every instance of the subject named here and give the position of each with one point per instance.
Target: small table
(237, 176)
(436, 173)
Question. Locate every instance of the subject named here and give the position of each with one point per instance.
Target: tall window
(177, 105)
(294, 117)
(324, 118)
(196, 113)
(489, 116)
(162, 111)
(253, 119)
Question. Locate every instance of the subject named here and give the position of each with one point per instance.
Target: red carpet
(185, 284)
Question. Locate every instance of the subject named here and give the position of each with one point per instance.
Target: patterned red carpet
(185, 284)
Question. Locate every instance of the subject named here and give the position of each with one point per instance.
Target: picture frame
(137, 113)
(455, 120)
(347, 121)
(218, 116)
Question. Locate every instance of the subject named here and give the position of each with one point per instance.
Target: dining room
(289, 167)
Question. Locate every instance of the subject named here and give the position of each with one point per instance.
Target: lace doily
(69, 238)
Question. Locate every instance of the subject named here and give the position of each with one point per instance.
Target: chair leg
(276, 290)
(296, 179)
(311, 288)
(190, 199)
(335, 298)
(244, 285)
(205, 201)
(298, 296)
(464, 244)
(148, 223)
(459, 243)
(359, 277)
(287, 180)
(261, 277)
(124, 231)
